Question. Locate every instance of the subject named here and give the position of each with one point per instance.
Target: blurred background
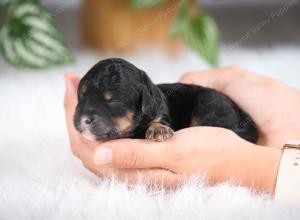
(42, 40)
(263, 36)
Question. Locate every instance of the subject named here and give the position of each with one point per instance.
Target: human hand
(80, 147)
(273, 106)
(216, 152)
(85, 150)
(254, 167)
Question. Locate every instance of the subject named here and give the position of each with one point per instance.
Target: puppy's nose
(85, 120)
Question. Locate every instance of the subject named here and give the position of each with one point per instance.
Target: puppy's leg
(158, 131)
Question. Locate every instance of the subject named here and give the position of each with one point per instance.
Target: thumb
(132, 153)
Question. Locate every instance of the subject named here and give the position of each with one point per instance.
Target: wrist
(255, 167)
(265, 169)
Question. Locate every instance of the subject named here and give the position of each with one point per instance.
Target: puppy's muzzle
(94, 127)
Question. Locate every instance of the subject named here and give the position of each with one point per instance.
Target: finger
(153, 178)
(70, 102)
(71, 84)
(86, 155)
(80, 147)
(132, 153)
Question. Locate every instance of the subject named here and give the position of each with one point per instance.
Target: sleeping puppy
(118, 100)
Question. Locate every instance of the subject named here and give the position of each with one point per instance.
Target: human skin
(85, 149)
(217, 153)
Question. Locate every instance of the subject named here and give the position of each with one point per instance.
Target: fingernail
(103, 156)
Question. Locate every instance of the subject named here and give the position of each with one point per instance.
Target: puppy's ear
(151, 97)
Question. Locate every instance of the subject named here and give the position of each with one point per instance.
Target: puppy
(118, 100)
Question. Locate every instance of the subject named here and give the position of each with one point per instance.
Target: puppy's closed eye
(115, 103)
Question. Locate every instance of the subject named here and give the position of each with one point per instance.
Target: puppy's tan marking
(158, 132)
(107, 95)
(124, 124)
(156, 120)
(194, 122)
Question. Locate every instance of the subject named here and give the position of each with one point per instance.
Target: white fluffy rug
(40, 179)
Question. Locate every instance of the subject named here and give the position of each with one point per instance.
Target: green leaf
(4, 6)
(139, 4)
(198, 30)
(181, 20)
(30, 38)
(4, 3)
(202, 35)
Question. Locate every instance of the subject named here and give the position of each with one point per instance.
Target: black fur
(139, 104)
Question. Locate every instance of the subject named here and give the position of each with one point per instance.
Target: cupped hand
(217, 154)
(80, 147)
(85, 150)
(274, 107)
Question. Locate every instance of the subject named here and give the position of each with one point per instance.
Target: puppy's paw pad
(159, 132)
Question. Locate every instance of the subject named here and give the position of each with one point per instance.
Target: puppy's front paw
(159, 132)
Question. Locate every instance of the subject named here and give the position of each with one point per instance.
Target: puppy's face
(109, 101)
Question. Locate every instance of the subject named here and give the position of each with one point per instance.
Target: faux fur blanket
(40, 179)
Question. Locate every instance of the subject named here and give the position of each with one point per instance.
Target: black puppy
(116, 100)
